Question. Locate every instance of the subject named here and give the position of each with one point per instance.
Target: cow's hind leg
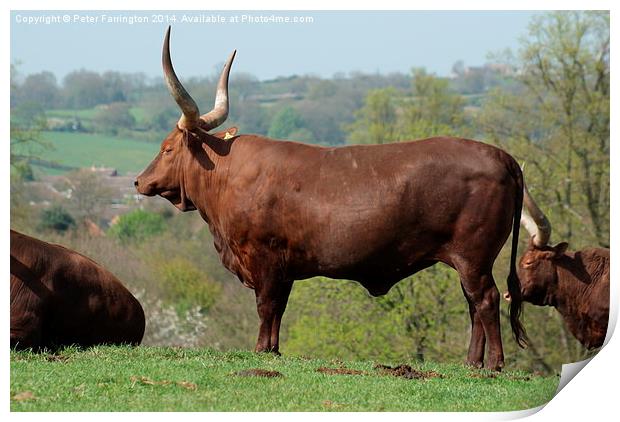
(271, 298)
(481, 291)
(475, 355)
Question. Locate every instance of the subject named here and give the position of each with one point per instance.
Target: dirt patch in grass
(331, 405)
(406, 371)
(57, 358)
(147, 381)
(340, 371)
(255, 372)
(23, 396)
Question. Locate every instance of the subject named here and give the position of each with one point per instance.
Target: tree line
(303, 107)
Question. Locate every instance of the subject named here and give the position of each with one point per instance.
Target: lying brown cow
(575, 283)
(60, 297)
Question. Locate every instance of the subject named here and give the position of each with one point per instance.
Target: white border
(591, 395)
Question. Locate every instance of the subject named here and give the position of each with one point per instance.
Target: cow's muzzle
(145, 189)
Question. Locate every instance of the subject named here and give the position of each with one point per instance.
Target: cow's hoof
(496, 366)
(270, 351)
(474, 364)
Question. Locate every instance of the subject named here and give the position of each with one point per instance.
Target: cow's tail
(514, 285)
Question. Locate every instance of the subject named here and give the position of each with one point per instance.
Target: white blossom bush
(165, 327)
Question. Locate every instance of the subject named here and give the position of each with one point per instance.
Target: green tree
(40, 88)
(433, 110)
(27, 144)
(285, 122)
(114, 86)
(27, 122)
(84, 89)
(376, 121)
(29, 115)
(137, 226)
(558, 124)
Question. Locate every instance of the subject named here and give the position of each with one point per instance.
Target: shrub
(137, 226)
(56, 218)
(186, 287)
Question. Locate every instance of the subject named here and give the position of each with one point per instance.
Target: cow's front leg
(282, 300)
(271, 298)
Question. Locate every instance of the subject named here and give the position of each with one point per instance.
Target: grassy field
(88, 114)
(84, 150)
(84, 114)
(173, 379)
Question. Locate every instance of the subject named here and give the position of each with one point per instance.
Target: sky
(370, 41)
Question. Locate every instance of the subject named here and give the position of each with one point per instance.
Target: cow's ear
(226, 134)
(230, 132)
(560, 249)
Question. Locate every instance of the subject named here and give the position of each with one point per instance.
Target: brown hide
(60, 297)
(281, 211)
(575, 283)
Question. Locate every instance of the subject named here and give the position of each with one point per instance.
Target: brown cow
(575, 283)
(282, 211)
(60, 297)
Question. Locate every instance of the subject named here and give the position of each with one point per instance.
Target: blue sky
(370, 41)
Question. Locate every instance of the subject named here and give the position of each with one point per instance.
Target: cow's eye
(167, 151)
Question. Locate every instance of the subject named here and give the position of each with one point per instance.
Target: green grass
(85, 150)
(173, 379)
(83, 114)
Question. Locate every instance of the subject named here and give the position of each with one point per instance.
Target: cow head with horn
(537, 265)
(166, 174)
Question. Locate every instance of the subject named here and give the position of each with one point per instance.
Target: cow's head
(537, 268)
(165, 175)
(538, 273)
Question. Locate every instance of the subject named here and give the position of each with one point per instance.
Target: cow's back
(60, 297)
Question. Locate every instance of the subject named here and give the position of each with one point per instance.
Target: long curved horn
(534, 221)
(191, 116)
(218, 115)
